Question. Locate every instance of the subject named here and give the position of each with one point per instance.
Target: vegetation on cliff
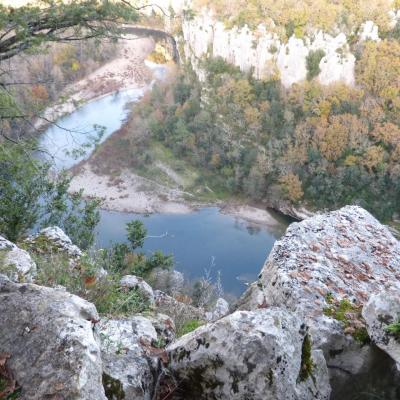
(302, 17)
(322, 146)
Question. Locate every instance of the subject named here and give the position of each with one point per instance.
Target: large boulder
(382, 315)
(49, 337)
(169, 281)
(325, 268)
(16, 263)
(220, 309)
(258, 355)
(138, 283)
(177, 310)
(131, 356)
(53, 239)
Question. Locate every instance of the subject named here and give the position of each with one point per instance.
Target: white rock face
(220, 310)
(58, 239)
(135, 282)
(16, 263)
(248, 355)
(345, 254)
(382, 310)
(369, 31)
(128, 369)
(49, 336)
(264, 52)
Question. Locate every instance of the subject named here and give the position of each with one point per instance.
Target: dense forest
(302, 17)
(320, 146)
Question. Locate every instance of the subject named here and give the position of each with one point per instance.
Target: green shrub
(313, 59)
(30, 198)
(105, 292)
(307, 363)
(188, 326)
(394, 329)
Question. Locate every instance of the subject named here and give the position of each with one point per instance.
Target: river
(202, 242)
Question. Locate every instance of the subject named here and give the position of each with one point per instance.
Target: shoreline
(131, 193)
(125, 72)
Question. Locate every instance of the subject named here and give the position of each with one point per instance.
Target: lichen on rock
(249, 354)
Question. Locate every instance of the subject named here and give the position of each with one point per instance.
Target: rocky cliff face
(261, 50)
(326, 269)
(265, 53)
(322, 321)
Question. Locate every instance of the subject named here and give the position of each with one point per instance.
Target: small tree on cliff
(29, 199)
(136, 233)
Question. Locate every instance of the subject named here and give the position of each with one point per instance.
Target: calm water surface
(202, 241)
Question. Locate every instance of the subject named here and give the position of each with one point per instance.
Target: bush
(188, 327)
(30, 198)
(105, 292)
(313, 59)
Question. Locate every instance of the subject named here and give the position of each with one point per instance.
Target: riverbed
(204, 241)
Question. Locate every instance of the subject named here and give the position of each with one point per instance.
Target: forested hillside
(301, 17)
(321, 146)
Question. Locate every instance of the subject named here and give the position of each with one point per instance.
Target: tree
(292, 187)
(29, 26)
(378, 71)
(313, 59)
(29, 198)
(136, 233)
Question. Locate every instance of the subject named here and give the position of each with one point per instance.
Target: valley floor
(126, 71)
(167, 184)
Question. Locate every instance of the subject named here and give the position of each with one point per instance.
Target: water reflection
(200, 241)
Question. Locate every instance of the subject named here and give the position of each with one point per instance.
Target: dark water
(205, 240)
(201, 241)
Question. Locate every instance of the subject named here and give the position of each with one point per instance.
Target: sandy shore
(130, 193)
(126, 71)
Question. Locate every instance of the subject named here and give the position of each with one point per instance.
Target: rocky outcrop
(53, 239)
(250, 355)
(135, 282)
(128, 372)
(169, 281)
(382, 315)
(176, 309)
(220, 309)
(48, 335)
(325, 268)
(266, 54)
(16, 263)
(132, 354)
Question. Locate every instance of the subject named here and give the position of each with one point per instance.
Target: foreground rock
(135, 282)
(49, 336)
(132, 354)
(53, 239)
(128, 371)
(220, 309)
(254, 355)
(325, 268)
(177, 310)
(16, 263)
(382, 314)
